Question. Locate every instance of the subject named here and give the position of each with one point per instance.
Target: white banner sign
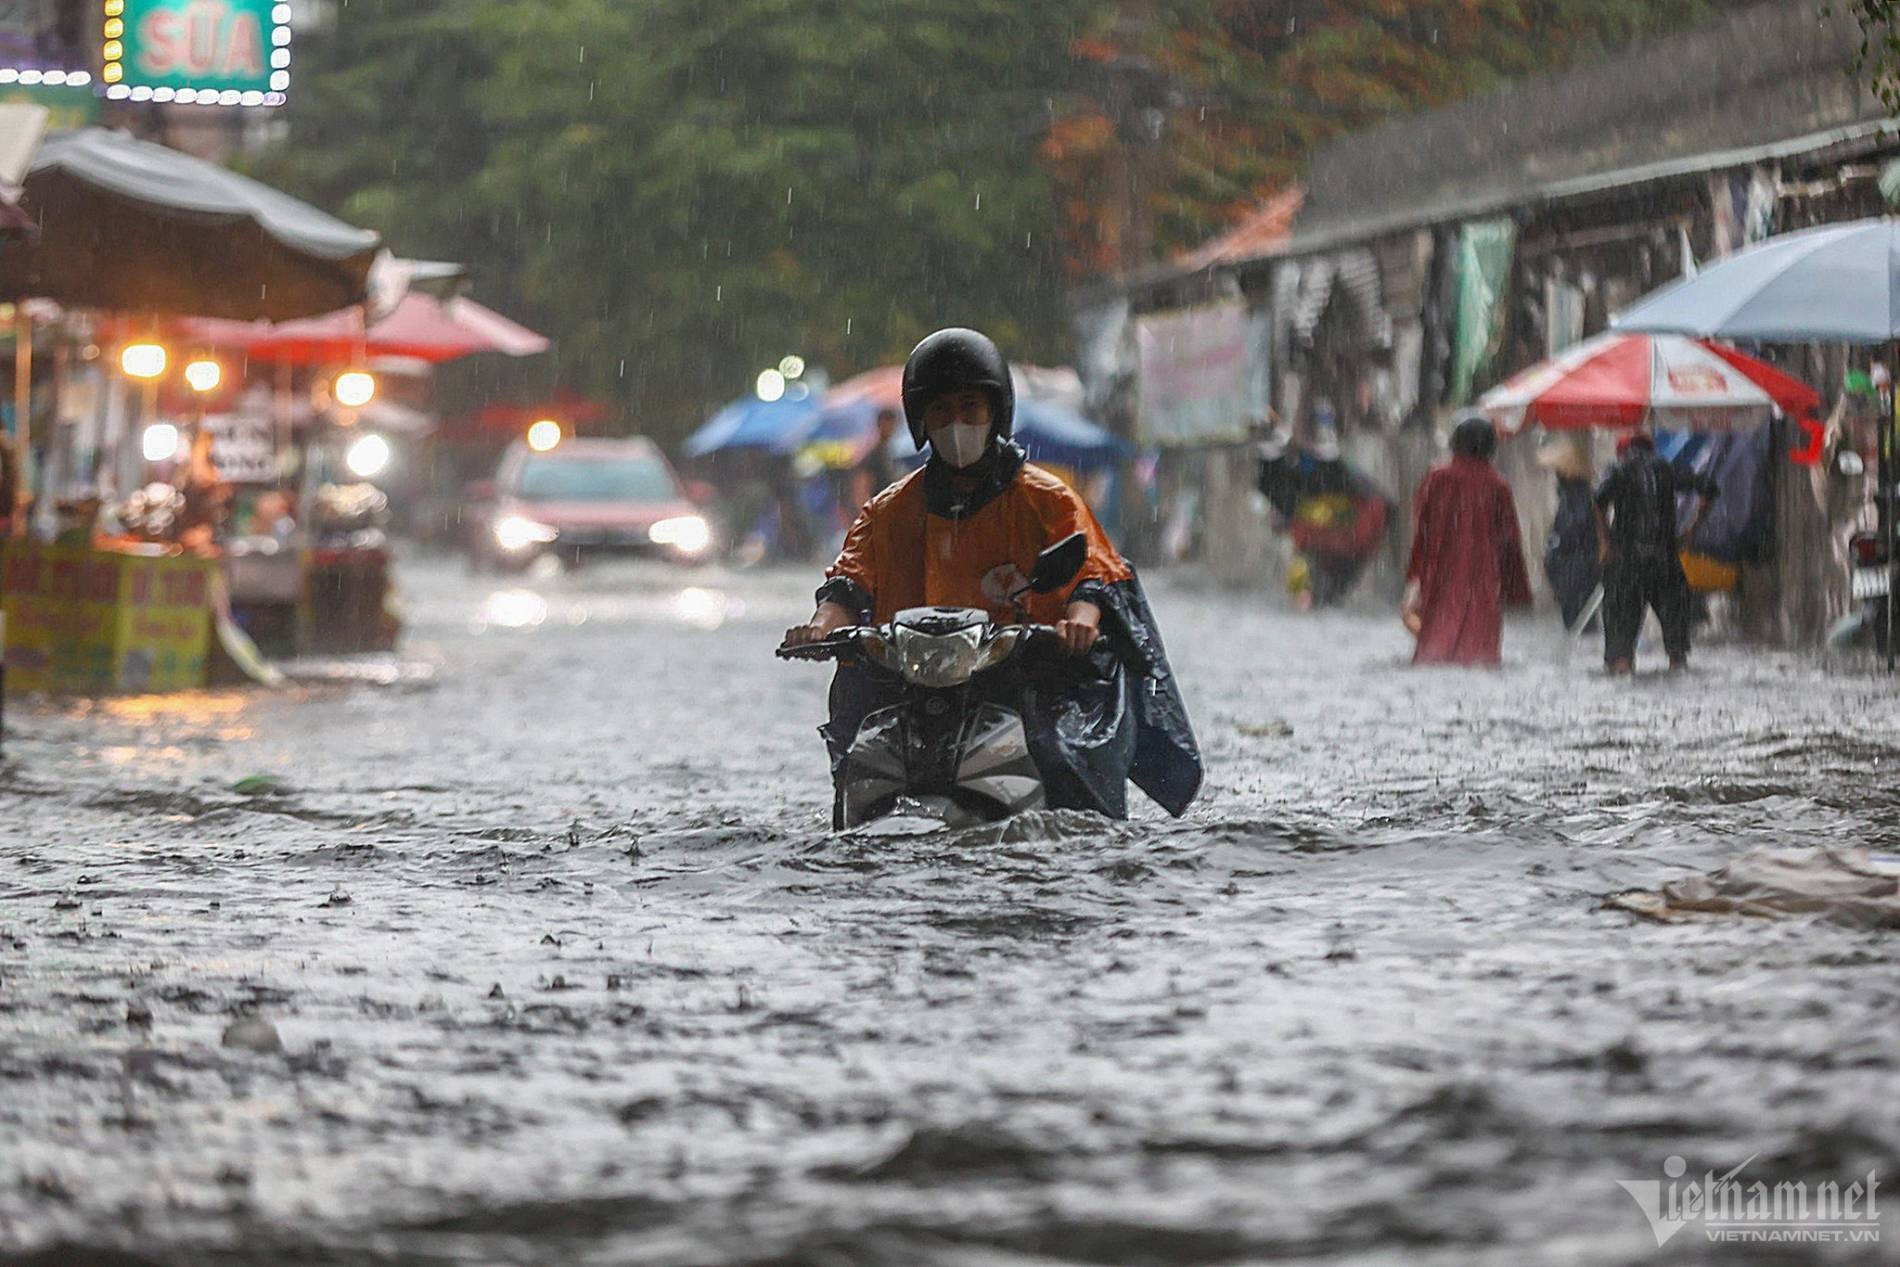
(243, 448)
(1195, 377)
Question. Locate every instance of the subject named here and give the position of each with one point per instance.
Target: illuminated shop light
(204, 375)
(159, 442)
(354, 389)
(143, 360)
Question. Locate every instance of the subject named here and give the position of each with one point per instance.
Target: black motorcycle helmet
(1474, 436)
(958, 360)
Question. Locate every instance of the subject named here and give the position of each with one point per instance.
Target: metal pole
(282, 410)
(22, 408)
(1886, 487)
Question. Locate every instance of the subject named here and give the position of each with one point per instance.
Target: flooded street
(535, 948)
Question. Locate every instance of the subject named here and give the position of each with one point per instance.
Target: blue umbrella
(1048, 433)
(850, 422)
(1836, 284)
(1052, 434)
(751, 423)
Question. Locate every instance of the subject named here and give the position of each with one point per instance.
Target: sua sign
(213, 52)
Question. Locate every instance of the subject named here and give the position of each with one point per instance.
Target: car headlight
(938, 660)
(687, 534)
(518, 532)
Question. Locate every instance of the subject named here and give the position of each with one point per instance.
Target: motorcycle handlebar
(843, 641)
(831, 647)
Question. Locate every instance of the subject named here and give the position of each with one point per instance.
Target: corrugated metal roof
(1772, 81)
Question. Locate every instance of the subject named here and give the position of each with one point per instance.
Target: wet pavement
(534, 947)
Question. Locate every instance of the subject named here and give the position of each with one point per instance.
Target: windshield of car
(631, 479)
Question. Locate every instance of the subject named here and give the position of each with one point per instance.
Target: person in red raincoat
(1467, 556)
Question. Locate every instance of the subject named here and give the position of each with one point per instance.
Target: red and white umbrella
(421, 327)
(1655, 380)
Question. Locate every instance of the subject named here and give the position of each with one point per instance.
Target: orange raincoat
(900, 555)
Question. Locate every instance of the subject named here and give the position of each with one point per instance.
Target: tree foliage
(681, 193)
(1237, 93)
(1879, 57)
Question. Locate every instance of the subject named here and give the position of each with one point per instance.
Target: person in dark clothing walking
(1570, 551)
(1640, 552)
(875, 471)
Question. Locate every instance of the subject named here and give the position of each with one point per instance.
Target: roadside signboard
(211, 52)
(67, 105)
(98, 621)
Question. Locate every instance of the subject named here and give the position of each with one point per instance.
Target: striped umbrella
(1661, 381)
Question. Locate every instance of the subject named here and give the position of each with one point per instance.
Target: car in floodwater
(583, 499)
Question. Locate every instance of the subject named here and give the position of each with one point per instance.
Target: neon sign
(208, 52)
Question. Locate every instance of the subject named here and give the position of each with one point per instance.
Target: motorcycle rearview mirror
(1849, 463)
(1059, 564)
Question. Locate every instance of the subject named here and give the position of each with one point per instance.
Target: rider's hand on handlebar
(827, 620)
(1079, 627)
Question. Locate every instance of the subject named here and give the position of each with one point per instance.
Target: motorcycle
(1870, 579)
(948, 753)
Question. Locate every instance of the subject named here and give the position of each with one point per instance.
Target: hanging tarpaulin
(1194, 374)
(1742, 207)
(1485, 249)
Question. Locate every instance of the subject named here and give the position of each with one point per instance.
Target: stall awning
(422, 327)
(136, 227)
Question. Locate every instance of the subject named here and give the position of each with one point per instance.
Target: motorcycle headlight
(518, 532)
(877, 649)
(938, 660)
(686, 533)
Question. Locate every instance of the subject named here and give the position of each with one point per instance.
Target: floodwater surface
(534, 947)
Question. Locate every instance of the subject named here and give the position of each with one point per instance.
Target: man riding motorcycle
(964, 531)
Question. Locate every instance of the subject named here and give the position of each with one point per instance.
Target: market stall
(130, 595)
(1709, 406)
(329, 590)
(1836, 284)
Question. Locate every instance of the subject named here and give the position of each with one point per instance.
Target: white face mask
(959, 444)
